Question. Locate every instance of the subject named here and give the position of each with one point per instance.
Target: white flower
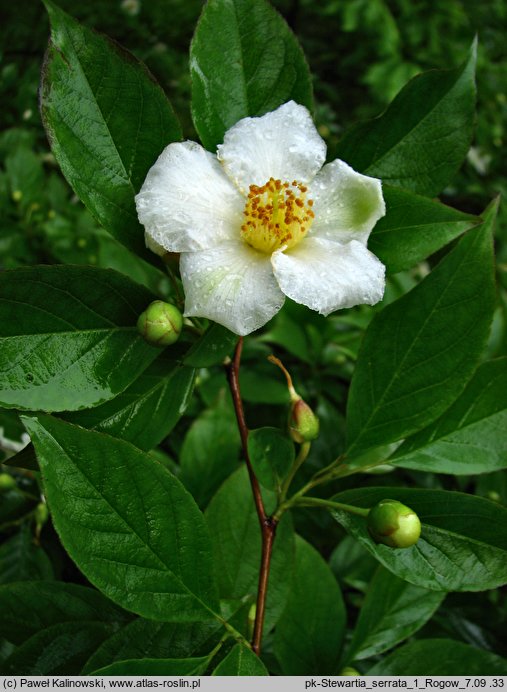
(262, 220)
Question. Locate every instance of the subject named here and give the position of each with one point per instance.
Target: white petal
(283, 144)
(347, 204)
(327, 276)
(231, 284)
(187, 203)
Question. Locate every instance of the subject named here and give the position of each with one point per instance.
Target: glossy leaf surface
(244, 61)
(419, 352)
(68, 336)
(211, 349)
(126, 521)
(423, 136)
(471, 436)
(440, 657)
(107, 121)
(414, 228)
(309, 634)
(463, 544)
(392, 611)
(148, 410)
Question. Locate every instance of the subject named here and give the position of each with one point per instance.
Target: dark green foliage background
(361, 52)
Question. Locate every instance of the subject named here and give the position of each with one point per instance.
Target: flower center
(276, 215)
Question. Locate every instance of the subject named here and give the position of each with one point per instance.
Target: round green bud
(303, 423)
(160, 323)
(394, 524)
(7, 482)
(348, 670)
(41, 514)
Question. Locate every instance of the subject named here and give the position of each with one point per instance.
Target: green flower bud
(7, 482)
(394, 524)
(348, 670)
(41, 514)
(160, 323)
(303, 423)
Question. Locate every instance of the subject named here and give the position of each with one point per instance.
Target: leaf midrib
(397, 373)
(131, 529)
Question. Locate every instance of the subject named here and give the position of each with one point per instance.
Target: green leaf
(463, 544)
(419, 352)
(212, 348)
(309, 634)
(58, 650)
(422, 138)
(392, 611)
(22, 560)
(148, 410)
(241, 661)
(471, 436)
(143, 414)
(210, 453)
(156, 666)
(272, 456)
(68, 336)
(107, 120)
(440, 657)
(244, 61)
(147, 638)
(258, 387)
(236, 540)
(413, 228)
(30, 607)
(129, 524)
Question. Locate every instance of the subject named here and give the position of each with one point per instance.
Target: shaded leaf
(212, 348)
(147, 638)
(58, 650)
(309, 634)
(22, 560)
(30, 607)
(424, 135)
(235, 535)
(241, 661)
(440, 657)
(392, 611)
(210, 453)
(272, 455)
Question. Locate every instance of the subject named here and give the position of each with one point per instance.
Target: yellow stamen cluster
(276, 215)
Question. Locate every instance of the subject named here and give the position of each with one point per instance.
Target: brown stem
(233, 376)
(268, 538)
(268, 524)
